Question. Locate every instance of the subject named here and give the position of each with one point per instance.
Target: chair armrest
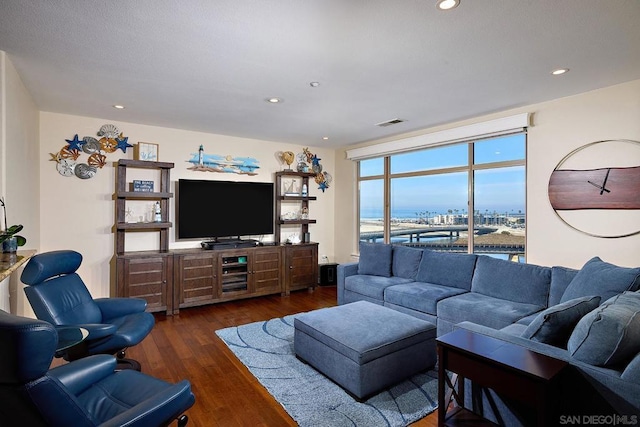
(344, 271)
(118, 307)
(159, 410)
(81, 374)
(98, 330)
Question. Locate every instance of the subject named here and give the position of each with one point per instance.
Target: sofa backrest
(447, 269)
(375, 259)
(523, 283)
(560, 279)
(405, 261)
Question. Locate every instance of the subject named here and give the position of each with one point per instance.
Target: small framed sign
(142, 186)
(146, 151)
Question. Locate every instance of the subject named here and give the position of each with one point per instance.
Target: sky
(500, 189)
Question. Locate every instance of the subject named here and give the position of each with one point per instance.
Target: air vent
(389, 122)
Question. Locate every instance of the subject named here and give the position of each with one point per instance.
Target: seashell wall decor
(68, 159)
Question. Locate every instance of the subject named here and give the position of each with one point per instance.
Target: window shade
(490, 128)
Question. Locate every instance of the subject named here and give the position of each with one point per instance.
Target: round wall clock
(595, 189)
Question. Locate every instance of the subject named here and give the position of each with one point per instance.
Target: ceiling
(209, 65)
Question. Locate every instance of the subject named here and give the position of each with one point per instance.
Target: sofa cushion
(610, 334)
(375, 259)
(554, 325)
(371, 286)
(405, 261)
(419, 296)
(484, 310)
(508, 280)
(560, 279)
(448, 269)
(601, 278)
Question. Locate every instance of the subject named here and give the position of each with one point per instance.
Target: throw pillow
(632, 371)
(609, 335)
(405, 261)
(554, 325)
(601, 278)
(375, 259)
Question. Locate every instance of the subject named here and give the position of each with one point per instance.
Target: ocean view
(497, 234)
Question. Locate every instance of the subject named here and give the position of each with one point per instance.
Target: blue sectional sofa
(588, 317)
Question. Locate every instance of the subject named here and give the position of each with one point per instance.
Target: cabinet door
(146, 277)
(266, 270)
(301, 266)
(197, 280)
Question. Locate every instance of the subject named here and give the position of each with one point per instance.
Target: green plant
(10, 232)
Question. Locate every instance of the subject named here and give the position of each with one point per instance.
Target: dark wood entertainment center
(173, 279)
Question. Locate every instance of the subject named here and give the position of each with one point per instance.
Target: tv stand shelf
(146, 274)
(122, 195)
(143, 225)
(297, 198)
(297, 221)
(132, 195)
(302, 200)
(212, 276)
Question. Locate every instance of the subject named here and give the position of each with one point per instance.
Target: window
(461, 197)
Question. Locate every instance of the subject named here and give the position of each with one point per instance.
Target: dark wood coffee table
(511, 370)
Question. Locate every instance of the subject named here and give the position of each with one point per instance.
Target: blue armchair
(58, 295)
(87, 392)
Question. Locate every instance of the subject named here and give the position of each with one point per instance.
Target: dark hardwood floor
(185, 346)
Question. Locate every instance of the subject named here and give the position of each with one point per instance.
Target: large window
(462, 197)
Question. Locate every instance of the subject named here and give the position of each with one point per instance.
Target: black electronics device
(228, 244)
(328, 274)
(212, 210)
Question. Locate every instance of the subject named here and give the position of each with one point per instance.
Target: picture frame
(146, 151)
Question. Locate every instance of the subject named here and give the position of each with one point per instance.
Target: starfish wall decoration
(67, 159)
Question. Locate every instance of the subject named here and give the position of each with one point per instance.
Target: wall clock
(595, 189)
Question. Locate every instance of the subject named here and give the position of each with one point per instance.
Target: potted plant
(8, 237)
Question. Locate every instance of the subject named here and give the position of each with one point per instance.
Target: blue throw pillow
(601, 278)
(554, 325)
(609, 335)
(375, 259)
(632, 371)
(405, 261)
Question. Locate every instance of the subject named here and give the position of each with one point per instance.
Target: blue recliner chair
(59, 296)
(86, 392)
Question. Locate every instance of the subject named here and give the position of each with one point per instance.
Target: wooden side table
(509, 369)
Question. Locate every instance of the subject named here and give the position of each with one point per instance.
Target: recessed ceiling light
(274, 100)
(119, 107)
(447, 4)
(325, 137)
(314, 84)
(560, 71)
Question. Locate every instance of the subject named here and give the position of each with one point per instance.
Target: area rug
(266, 349)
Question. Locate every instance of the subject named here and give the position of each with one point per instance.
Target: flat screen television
(223, 209)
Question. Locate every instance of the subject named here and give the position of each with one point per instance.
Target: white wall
(559, 127)
(79, 214)
(19, 170)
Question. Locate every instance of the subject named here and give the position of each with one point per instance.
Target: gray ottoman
(364, 347)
